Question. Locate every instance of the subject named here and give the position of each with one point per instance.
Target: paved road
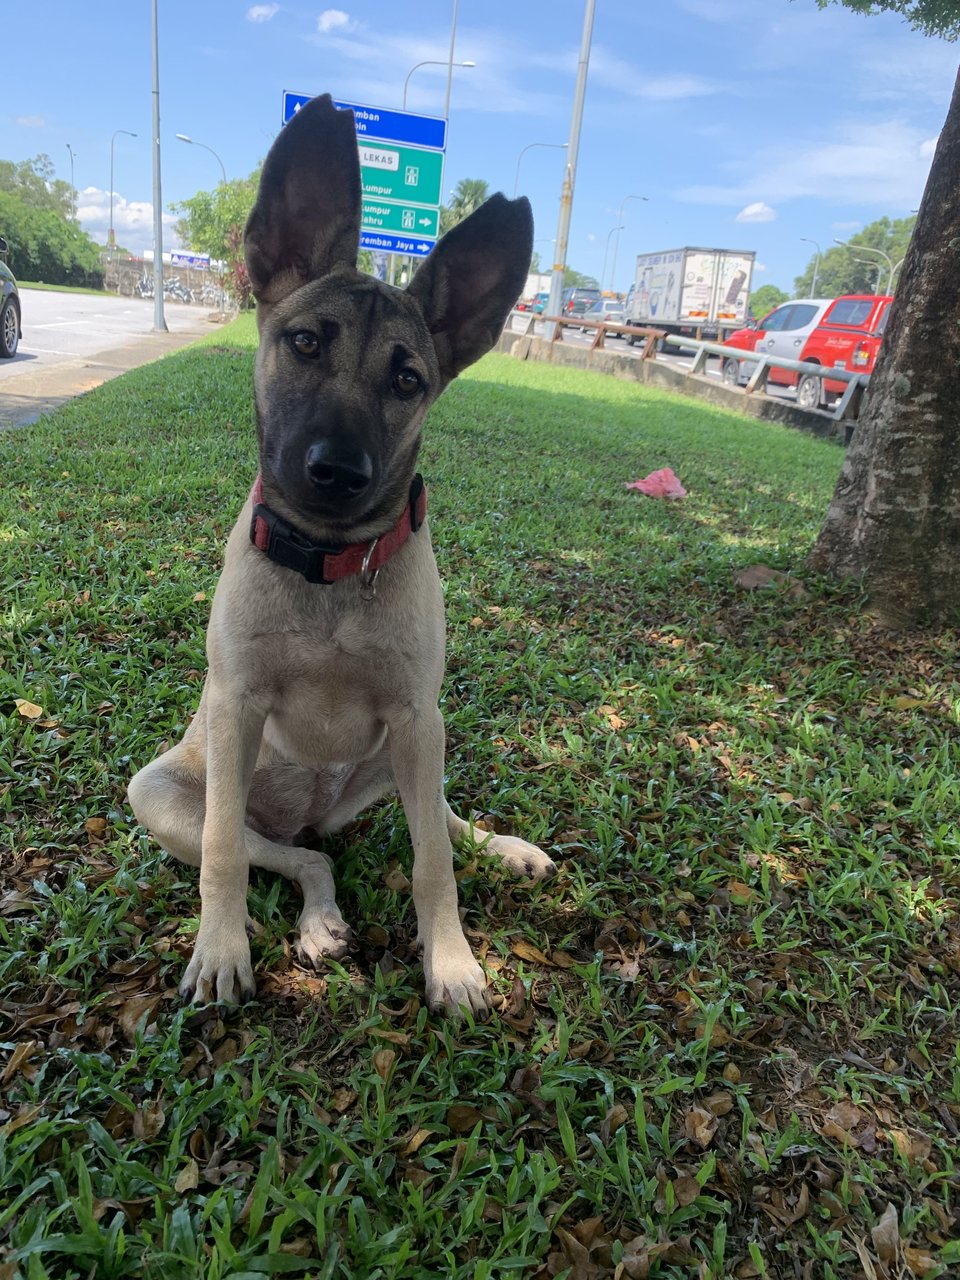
(72, 342)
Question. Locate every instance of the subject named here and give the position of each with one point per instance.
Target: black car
(576, 300)
(10, 332)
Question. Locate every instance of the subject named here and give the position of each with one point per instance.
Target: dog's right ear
(306, 220)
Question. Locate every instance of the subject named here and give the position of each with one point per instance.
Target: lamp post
(516, 180)
(878, 266)
(570, 169)
(432, 62)
(816, 263)
(111, 237)
(193, 142)
(73, 185)
(605, 252)
(159, 322)
(616, 247)
(865, 248)
(183, 137)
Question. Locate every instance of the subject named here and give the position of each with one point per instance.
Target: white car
(782, 332)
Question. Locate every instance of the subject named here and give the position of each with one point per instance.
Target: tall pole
(516, 179)
(111, 234)
(816, 263)
(605, 252)
(570, 173)
(453, 41)
(159, 323)
(182, 137)
(616, 243)
(73, 185)
(866, 248)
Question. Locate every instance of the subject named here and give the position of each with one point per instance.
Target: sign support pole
(570, 173)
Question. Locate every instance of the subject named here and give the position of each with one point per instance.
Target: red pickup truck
(848, 337)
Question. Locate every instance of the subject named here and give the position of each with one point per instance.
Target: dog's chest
(332, 698)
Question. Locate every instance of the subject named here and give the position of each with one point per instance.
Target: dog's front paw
(324, 934)
(454, 982)
(520, 858)
(219, 970)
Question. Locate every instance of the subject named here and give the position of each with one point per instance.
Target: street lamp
(605, 252)
(616, 246)
(183, 138)
(516, 180)
(816, 264)
(865, 248)
(878, 266)
(430, 62)
(73, 185)
(111, 237)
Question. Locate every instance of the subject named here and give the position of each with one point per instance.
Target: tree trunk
(894, 519)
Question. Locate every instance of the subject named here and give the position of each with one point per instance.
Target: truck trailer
(693, 292)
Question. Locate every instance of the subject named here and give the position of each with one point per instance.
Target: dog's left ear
(306, 219)
(471, 280)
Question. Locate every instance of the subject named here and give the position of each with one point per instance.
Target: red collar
(325, 563)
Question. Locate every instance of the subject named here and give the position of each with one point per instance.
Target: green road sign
(392, 172)
(414, 220)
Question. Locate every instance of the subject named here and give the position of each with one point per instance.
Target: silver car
(608, 309)
(783, 333)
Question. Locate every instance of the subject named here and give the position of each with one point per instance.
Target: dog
(326, 635)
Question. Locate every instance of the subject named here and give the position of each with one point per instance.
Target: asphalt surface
(73, 342)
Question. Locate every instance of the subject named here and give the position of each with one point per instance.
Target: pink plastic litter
(660, 484)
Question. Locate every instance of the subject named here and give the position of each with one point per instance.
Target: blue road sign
(385, 126)
(387, 243)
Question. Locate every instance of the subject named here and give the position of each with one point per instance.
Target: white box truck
(695, 292)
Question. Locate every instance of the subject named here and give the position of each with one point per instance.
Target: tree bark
(894, 519)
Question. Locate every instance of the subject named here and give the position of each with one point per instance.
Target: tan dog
(325, 643)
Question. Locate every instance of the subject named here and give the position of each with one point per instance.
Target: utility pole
(570, 174)
(159, 323)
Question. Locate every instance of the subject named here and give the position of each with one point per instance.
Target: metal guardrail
(602, 327)
(849, 402)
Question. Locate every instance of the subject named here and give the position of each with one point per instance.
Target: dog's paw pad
(324, 935)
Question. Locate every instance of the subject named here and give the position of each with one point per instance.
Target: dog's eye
(305, 343)
(406, 382)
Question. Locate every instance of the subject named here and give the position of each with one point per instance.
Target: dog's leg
(220, 967)
(518, 856)
(169, 801)
(453, 977)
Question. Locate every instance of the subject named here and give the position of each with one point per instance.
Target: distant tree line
(848, 268)
(37, 220)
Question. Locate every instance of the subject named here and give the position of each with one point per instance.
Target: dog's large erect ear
(472, 278)
(306, 220)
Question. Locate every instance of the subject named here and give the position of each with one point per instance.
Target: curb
(28, 396)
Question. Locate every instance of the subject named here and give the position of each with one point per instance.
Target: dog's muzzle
(338, 473)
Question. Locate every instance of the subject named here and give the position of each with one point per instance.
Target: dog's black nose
(337, 471)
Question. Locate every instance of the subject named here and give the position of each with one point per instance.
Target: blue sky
(746, 123)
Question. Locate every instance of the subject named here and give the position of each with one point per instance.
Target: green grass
(727, 1039)
(65, 288)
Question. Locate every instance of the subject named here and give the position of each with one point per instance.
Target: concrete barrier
(655, 373)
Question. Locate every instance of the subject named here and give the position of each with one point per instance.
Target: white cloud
(928, 147)
(756, 212)
(333, 20)
(881, 165)
(262, 12)
(30, 122)
(132, 220)
(674, 87)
